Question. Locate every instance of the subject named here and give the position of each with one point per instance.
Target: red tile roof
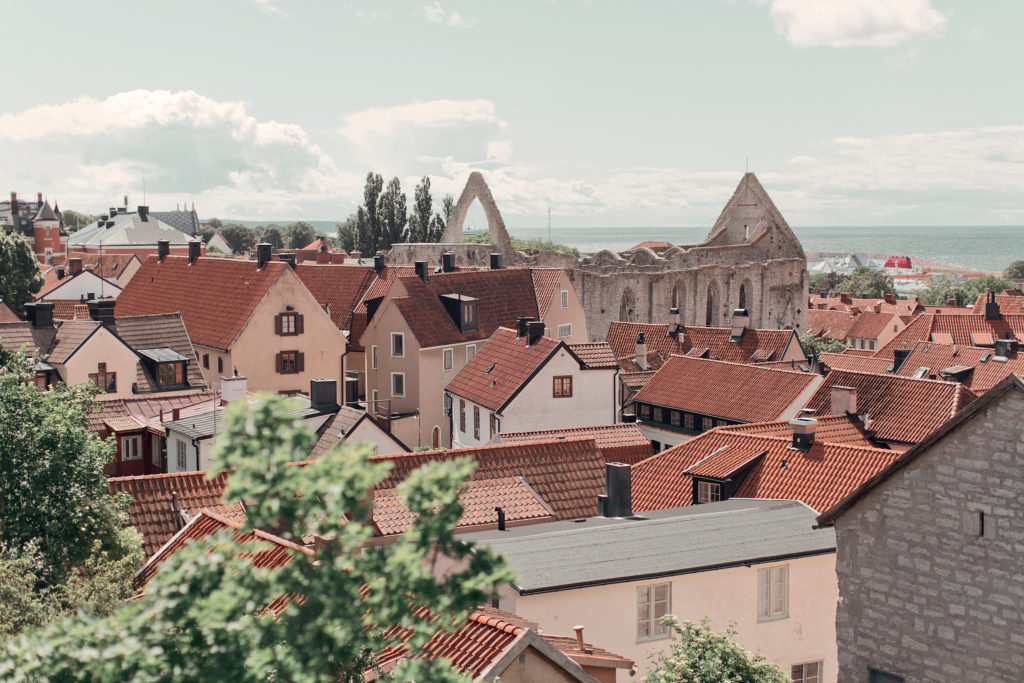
(756, 345)
(898, 306)
(938, 357)
(636, 380)
(745, 393)
(819, 477)
(617, 442)
(316, 244)
(595, 355)
(7, 315)
(337, 287)
(872, 325)
(829, 323)
(157, 332)
(961, 329)
(1009, 304)
(501, 368)
(215, 296)
(623, 335)
(545, 282)
(726, 462)
(901, 409)
(146, 408)
(65, 309)
(847, 361)
(842, 429)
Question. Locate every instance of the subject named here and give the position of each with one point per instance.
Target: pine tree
(368, 232)
(391, 210)
(423, 207)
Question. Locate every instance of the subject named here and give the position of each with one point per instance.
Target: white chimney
(641, 351)
(232, 389)
(844, 400)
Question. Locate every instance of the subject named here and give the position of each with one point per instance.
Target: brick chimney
(74, 266)
(890, 298)
(845, 298)
(640, 352)
(844, 400)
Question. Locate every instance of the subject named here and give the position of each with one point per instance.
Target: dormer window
(463, 311)
(170, 374)
(167, 366)
(469, 315)
(708, 492)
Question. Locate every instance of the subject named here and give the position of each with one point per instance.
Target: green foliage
(201, 617)
(813, 345)
(942, 289)
(440, 221)
(824, 284)
(73, 220)
(238, 237)
(368, 226)
(1015, 271)
(422, 212)
(347, 234)
(212, 249)
(299, 235)
(271, 234)
(206, 233)
(699, 655)
(392, 211)
(867, 281)
(483, 237)
(215, 223)
(19, 271)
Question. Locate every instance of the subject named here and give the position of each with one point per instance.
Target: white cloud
(856, 23)
(359, 127)
(436, 14)
(268, 7)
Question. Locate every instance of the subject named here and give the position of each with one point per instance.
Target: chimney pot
(844, 400)
(163, 248)
(39, 197)
(579, 637)
(501, 518)
(262, 254)
(14, 199)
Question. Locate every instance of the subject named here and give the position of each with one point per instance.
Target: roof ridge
(759, 366)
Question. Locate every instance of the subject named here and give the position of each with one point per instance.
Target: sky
(851, 112)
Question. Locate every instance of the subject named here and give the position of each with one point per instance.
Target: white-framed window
(448, 359)
(565, 298)
(773, 593)
(470, 352)
(157, 455)
(182, 462)
(397, 343)
(808, 672)
(131, 447)
(374, 395)
(565, 330)
(688, 420)
(652, 603)
(708, 492)
(398, 384)
(373, 357)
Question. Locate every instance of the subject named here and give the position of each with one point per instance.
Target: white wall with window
(652, 603)
(131, 447)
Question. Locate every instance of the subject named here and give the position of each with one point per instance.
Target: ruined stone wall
(922, 596)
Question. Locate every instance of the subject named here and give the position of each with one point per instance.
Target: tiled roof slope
(617, 442)
(938, 357)
(840, 429)
(623, 335)
(109, 266)
(503, 295)
(545, 282)
(338, 287)
(146, 407)
(335, 430)
(71, 335)
(829, 323)
(7, 315)
(636, 380)
(13, 336)
(964, 329)
(898, 306)
(595, 355)
(1008, 303)
(818, 477)
(159, 331)
(501, 367)
(846, 361)
(214, 296)
(756, 345)
(917, 329)
(901, 409)
(734, 391)
(871, 325)
(567, 473)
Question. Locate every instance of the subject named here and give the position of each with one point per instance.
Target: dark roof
(166, 331)
(186, 221)
(343, 422)
(561, 555)
(46, 213)
(129, 230)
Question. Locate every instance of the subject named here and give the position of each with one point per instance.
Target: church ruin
(751, 259)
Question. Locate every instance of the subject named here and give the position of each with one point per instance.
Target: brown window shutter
(300, 361)
(279, 363)
(298, 323)
(277, 324)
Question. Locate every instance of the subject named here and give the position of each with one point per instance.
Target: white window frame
(395, 394)
(470, 352)
(773, 593)
(375, 397)
(800, 675)
(400, 336)
(131, 445)
(708, 492)
(182, 455)
(565, 330)
(565, 298)
(647, 616)
(373, 357)
(447, 359)
(157, 459)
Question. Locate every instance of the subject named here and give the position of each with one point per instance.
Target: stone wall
(923, 596)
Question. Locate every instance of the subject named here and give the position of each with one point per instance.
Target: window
(875, 676)
(131, 447)
(181, 454)
(871, 344)
(688, 420)
(105, 381)
(978, 521)
(290, 362)
(708, 492)
(398, 384)
(673, 418)
(397, 344)
(659, 414)
(220, 364)
(476, 422)
(206, 361)
(652, 603)
(170, 374)
(448, 359)
(645, 411)
(375, 400)
(462, 415)
(565, 298)
(373, 356)
(809, 672)
(470, 352)
(494, 425)
(773, 593)
(707, 423)
(288, 324)
(562, 386)
(565, 330)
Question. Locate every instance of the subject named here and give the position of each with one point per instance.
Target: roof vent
(803, 432)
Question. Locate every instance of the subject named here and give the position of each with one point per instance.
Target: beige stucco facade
(102, 347)
(556, 316)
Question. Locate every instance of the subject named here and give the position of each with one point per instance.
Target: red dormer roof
(855, 362)
(985, 370)
(595, 355)
(337, 287)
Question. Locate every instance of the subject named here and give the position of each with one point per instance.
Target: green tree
(271, 234)
(19, 271)
(215, 223)
(391, 208)
(1014, 271)
(206, 233)
(941, 289)
(368, 229)
(867, 281)
(202, 615)
(813, 345)
(422, 211)
(699, 655)
(347, 234)
(299, 235)
(440, 221)
(239, 238)
(73, 220)
(823, 284)
(484, 237)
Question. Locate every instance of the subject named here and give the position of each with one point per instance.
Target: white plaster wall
(103, 347)
(82, 286)
(573, 314)
(371, 433)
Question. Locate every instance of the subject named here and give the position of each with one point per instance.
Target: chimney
(495, 261)
(448, 261)
(501, 518)
(890, 298)
(60, 272)
(39, 198)
(676, 317)
(1005, 347)
(30, 312)
(144, 214)
(421, 270)
(899, 356)
(262, 254)
(640, 354)
(618, 498)
(579, 637)
(288, 257)
(194, 247)
(952, 302)
(102, 219)
(163, 248)
(534, 331)
(521, 323)
(844, 400)
(102, 310)
(113, 211)
(43, 318)
(844, 298)
(232, 389)
(175, 414)
(740, 323)
(74, 266)
(992, 308)
(321, 257)
(109, 224)
(803, 432)
(378, 263)
(323, 395)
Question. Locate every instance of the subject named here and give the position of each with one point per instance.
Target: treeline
(242, 239)
(383, 219)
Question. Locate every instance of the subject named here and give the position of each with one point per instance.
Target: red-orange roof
(7, 315)
(215, 296)
(734, 391)
(890, 305)
(756, 346)
(545, 282)
(963, 329)
(842, 429)
(623, 335)
(617, 442)
(830, 323)
(1009, 303)
(856, 362)
(984, 375)
(595, 355)
(338, 287)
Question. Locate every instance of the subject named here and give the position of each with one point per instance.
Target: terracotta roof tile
(1008, 304)
(899, 306)
(846, 361)
(338, 287)
(863, 353)
(7, 315)
(841, 429)
(745, 393)
(335, 430)
(595, 355)
(65, 309)
(830, 323)
(726, 462)
(215, 296)
(159, 331)
(145, 408)
(984, 375)
(617, 442)
(70, 335)
(964, 329)
(545, 282)
(501, 367)
(622, 337)
(13, 336)
(636, 380)
(756, 346)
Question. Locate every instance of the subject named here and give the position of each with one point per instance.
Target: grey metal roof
(186, 221)
(564, 555)
(128, 229)
(162, 355)
(205, 425)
